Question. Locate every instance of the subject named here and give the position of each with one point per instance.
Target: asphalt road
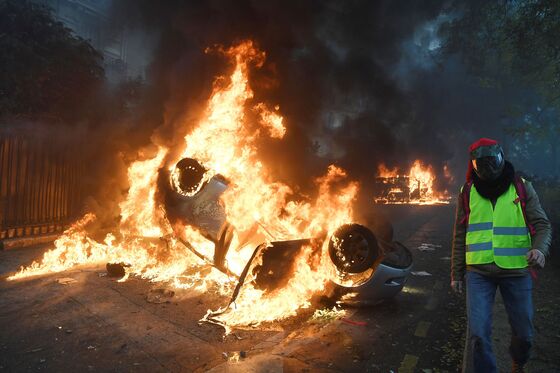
(98, 324)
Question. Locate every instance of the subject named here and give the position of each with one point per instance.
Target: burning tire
(353, 248)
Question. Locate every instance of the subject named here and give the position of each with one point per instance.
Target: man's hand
(457, 286)
(536, 258)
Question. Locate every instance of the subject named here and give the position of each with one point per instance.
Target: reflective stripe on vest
(497, 234)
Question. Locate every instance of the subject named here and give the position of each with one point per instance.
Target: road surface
(98, 324)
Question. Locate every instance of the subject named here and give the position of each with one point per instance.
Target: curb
(23, 242)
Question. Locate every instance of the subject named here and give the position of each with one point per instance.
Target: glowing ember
(415, 188)
(225, 142)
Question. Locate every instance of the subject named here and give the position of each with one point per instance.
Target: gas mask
(488, 162)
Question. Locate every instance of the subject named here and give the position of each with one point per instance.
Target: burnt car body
(369, 268)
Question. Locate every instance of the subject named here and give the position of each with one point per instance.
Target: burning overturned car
(368, 268)
(212, 200)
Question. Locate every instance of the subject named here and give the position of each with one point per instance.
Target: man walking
(500, 230)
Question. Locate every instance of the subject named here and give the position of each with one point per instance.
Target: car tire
(353, 248)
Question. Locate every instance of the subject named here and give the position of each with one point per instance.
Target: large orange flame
(225, 142)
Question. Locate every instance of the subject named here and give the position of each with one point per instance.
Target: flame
(273, 121)
(253, 306)
(74, 247)
(139, 215)
(383, 171)
(421, 180)
(225, 141)
(415, 188)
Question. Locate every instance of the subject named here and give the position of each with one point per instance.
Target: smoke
(358, 82)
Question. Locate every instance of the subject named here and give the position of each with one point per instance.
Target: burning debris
(415, 188)
(215, 203)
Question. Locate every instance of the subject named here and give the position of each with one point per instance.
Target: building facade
(89, 19)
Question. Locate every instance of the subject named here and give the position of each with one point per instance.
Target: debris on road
(235, 356)
(34, 350)
(327, 315)
(102, 274)
(66, 280)
(421, 273)
(160, 295)
(428, 247)
(352, 322)
(116, 269)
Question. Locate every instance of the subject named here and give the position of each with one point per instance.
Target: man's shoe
(517, 368)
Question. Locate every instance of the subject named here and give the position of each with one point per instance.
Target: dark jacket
(540, 241)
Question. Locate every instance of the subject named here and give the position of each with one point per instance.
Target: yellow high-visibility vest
(498, 234)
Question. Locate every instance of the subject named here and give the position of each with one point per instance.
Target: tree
(45, 70)
(514, 45)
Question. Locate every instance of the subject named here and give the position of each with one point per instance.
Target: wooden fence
(40, 188)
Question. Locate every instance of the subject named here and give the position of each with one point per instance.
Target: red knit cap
(475, 145)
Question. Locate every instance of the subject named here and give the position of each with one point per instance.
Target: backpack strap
(465, 197)
(519, 184)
